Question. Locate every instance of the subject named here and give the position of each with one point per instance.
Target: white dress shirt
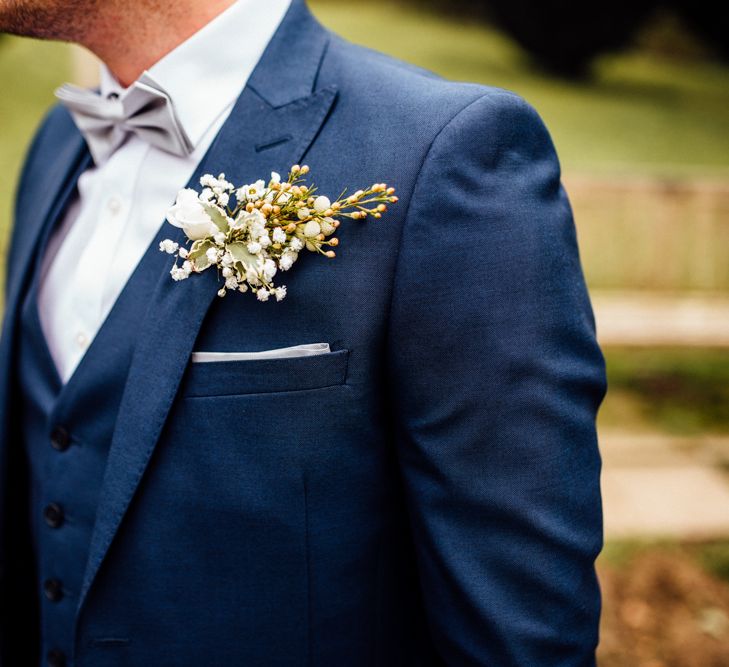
(122, 201)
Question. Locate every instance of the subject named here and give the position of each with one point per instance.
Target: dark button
(53, 589)
(56, 658)
(53, 514)
(60, 439)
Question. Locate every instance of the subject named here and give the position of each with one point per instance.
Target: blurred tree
(710, 21)
(564, 36)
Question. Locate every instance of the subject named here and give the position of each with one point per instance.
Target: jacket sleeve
(496, 377)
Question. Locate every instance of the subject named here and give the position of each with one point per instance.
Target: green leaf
(197, 253)
(240, 254)
(218, 217)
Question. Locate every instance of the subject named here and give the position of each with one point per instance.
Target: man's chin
(42, 19)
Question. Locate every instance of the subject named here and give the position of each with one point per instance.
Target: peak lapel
(51, 189)
(273, 123)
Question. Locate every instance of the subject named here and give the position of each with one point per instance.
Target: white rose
(188, 214)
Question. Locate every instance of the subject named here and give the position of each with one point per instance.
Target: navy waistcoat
(66, 432)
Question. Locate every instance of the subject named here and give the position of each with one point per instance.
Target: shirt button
(82, 340)
(53, 589)
(53, 514)
(114, 205)
(60, 439)
(56, 658)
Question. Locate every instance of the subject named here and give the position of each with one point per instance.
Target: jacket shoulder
(390, 90)
(366, 65)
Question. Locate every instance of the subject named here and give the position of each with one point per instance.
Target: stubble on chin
(66, 20)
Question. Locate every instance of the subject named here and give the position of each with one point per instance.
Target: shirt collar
(205, 74)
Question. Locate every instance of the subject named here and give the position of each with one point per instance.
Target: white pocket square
(277, 353)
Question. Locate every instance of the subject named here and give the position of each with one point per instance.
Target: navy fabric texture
(428, 492)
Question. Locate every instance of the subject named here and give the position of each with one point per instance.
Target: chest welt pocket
(254, 376)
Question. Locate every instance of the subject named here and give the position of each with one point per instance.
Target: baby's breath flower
(206, 196)
(269, 269)
(280, 292)
(263, 294)
(287, 260)
(169, 246)
(178, 273)
(252, 276)
(279, 235)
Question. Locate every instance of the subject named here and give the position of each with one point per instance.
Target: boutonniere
(252, 232)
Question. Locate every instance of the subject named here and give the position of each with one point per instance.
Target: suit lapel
(271, 126)
(54, 190)
(48, 193)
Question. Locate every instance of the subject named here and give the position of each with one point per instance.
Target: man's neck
(130, 42)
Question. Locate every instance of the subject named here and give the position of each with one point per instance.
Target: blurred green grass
(29, 72)
(676, 391)
(711, 555)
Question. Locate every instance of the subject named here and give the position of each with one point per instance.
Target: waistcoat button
(56, 658)
(53, 514)
(60, 439)
(53, 589)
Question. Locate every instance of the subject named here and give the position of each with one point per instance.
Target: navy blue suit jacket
(425, 493)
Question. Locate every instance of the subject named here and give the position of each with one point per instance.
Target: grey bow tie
(144, 108)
